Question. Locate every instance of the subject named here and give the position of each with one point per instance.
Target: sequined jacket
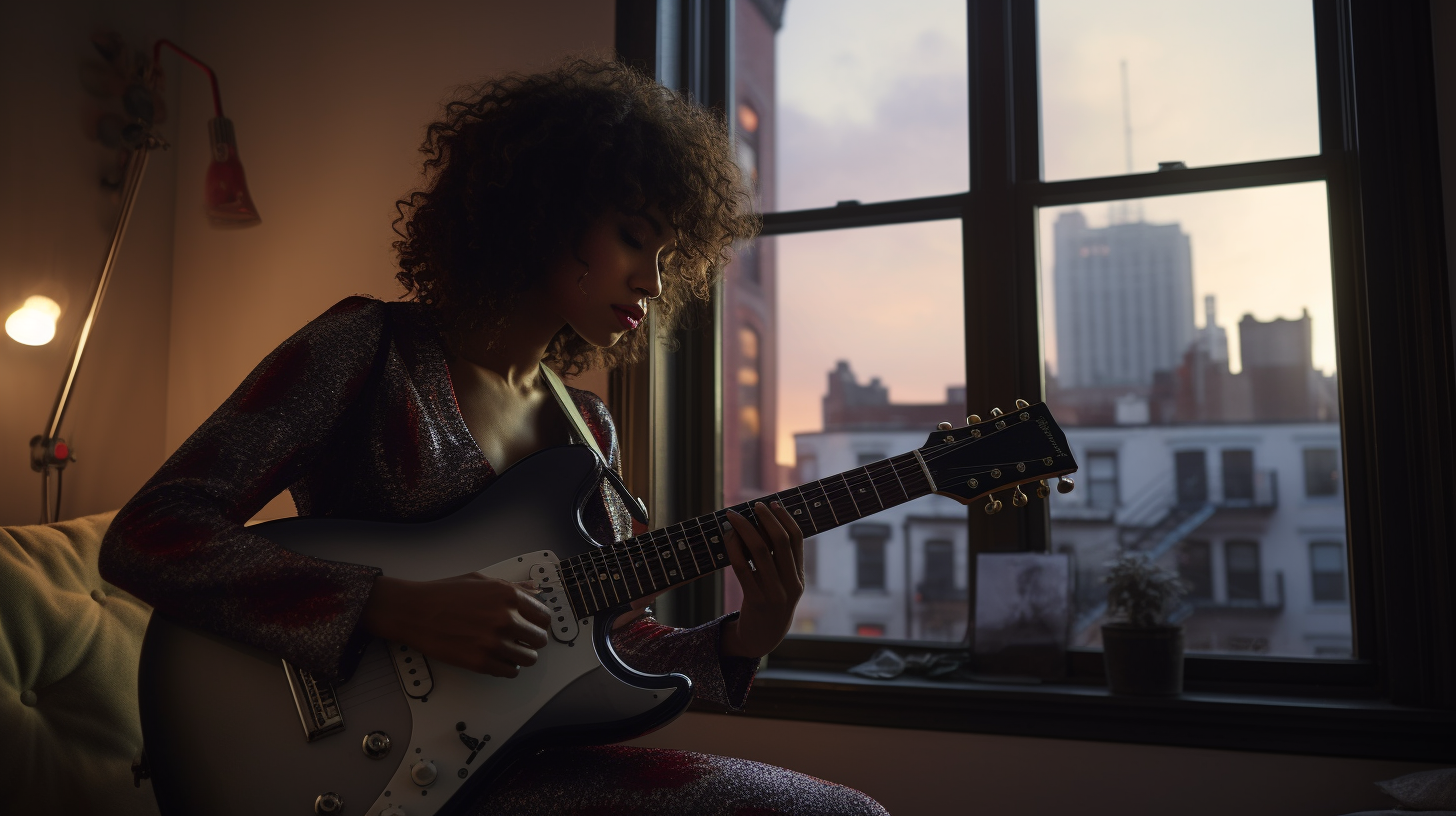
(356, 416)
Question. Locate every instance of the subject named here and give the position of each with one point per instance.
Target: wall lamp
(228, 204)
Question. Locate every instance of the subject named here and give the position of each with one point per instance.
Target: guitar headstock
(1006, 451)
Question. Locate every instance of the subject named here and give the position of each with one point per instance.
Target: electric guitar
(233, 730)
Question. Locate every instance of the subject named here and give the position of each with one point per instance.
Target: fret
(642, 561)
(662, 550)
(899, 481)
(632, 562)
(686, 543)
(838, 501)
(619, 575)
(675, 572)
(849, 491)
(913, 478)
(573, 584)
(801, 513)
(817, 506)
(717, 557)
(871, 480)
(651, 562)
(601, 574)
(593, 587)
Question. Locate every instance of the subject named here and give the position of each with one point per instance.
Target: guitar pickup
(317, 703)
(414, 671)
(547, 579)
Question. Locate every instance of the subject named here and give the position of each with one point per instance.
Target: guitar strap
(635, 506)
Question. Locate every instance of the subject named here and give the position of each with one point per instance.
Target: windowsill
(1250, 722)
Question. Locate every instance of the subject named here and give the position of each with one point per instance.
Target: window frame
(1397, 699)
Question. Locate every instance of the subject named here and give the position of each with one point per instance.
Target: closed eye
(630, 240)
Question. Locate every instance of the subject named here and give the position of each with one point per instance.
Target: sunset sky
(872, 106)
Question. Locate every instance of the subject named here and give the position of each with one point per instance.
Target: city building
(1124, 301)
(1250, 514)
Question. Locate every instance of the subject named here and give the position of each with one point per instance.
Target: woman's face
(601, 290)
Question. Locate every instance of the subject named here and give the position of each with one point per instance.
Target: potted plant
(1142, 650)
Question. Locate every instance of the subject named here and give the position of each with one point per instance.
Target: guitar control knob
(423, 773)
(376, 744)
(328, 803)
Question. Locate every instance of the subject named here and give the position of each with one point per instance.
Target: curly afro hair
(521, 165)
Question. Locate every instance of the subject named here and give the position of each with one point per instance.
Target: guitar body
(222, 723)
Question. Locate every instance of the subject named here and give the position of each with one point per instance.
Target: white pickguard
(495, 706)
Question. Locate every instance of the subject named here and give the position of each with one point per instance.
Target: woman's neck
(512, 349)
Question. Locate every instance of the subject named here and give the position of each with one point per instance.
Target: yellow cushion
(69, 644)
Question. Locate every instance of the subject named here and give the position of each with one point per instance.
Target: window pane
(1327, 562)
(859, 343)
(851, 100)
(1194, 336)
(1127, 84)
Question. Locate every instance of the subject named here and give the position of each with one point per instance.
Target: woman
(559, 208)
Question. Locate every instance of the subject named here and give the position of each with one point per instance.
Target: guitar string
(860, 477)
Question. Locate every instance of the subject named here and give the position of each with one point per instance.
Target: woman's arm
(180, 543)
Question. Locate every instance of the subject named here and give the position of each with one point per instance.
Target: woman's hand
(471, 621)
(772, 587)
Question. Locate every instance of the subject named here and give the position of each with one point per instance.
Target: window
(1195, 565)
(1241, 571)
(1238, 476)
(750, 409)
(1282, 208)
(870, 630)
(939, 583)
(869, 560)
(1327, 571)
(1102, 480)
(1321, 472)
(1192, 473)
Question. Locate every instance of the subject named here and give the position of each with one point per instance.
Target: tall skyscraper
(1124, 301)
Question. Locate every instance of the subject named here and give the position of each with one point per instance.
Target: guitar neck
(640, 567)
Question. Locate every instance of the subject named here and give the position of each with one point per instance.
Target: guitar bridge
(317, 703)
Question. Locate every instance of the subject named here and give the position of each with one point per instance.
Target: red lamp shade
(226, 191)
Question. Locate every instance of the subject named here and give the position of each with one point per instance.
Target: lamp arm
(157, 56)
(135, 167)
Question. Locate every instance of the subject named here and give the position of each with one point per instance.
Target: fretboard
(609, 577)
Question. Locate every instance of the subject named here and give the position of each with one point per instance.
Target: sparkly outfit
(356, 416)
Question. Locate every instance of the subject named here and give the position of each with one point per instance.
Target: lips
(629, 315)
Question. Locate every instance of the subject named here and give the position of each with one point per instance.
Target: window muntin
(1206, 84)
(870, 100)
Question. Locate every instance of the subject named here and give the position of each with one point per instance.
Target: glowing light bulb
(33, 324)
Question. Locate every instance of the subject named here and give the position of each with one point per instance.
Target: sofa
(69, 646)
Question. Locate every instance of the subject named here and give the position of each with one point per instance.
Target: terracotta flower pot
(1146, 661)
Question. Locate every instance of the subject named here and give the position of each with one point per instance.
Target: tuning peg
(1018, 498)
(993, 506)
(944, 426)
(973, 419)
(995, 412)
(1021, 403)
(1042, 491)
(1065, 484)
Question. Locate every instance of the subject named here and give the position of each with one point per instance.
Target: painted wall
(330, 100)
(55, 226)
